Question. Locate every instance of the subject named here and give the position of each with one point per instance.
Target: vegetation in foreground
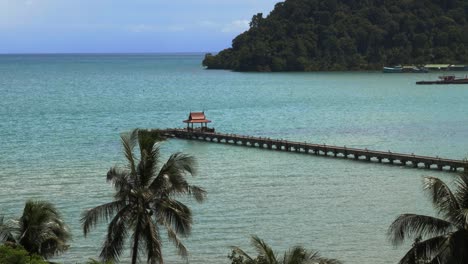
(324, 35)
(15, 254)
(266, 255)
(40, 230)
(437, 240)
(144, 201)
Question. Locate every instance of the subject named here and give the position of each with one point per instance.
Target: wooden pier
(387, 157)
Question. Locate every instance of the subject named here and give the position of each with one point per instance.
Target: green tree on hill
(144, 201)
(310, 35)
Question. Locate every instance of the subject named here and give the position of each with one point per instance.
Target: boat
(395, 69)
(460, 67)
(415, 69)
(437, 67)
(405, 68)
(447, 79)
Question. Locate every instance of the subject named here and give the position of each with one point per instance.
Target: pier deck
(415, 161)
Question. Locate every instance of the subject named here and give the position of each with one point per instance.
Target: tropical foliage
(266, 255)
(93, 261)
(310, 35)
(437, 240)
(40, 230)
(14, 254)
(144, 201)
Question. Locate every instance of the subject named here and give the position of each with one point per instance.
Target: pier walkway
(387, 157)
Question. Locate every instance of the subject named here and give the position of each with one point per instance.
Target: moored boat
(459, 67)
(405, 69)
(395, 69)
(447, 79)
(414, 69)
(437, 67)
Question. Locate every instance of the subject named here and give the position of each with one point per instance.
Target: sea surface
(61, 117)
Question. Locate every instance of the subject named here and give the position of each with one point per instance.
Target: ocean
(61, 117)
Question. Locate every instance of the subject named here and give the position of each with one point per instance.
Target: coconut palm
(6, 230)
(266, 255)
(144, 201)
(40, 230)
(437, 240)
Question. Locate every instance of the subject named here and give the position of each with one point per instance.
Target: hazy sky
(38, 26)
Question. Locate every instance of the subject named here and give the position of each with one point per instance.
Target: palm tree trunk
(135, 242)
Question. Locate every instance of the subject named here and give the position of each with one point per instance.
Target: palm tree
(144, 201)
(266, 255)
(40, 230)
(436, 240)
(6, 231)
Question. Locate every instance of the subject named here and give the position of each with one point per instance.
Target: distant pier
(387, 157)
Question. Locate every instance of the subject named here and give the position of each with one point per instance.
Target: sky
(124, 26)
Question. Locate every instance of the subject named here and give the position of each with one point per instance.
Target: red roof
(197, 117)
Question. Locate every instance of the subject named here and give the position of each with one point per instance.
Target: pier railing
(416, 161)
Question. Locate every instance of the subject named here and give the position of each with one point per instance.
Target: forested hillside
(322, 35)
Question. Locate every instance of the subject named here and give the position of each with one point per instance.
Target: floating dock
(387, 157)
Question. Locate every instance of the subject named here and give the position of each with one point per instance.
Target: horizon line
(112, 53)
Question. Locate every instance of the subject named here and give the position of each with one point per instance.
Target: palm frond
(183, 162)
(462, 189)
(90, 218)
(241, 252)
(181, 249)
(145, 142)
(139, 223)
(327, 261)
(461, 195)
(117, 232)
(175, 215)
(129, 141)
(93, 261)
(264, 250)
(153, 242)
(120, 179)
(424, 251)
(299, 255)
(172, 173)
(52, 247)
(462, 218)
(197, 192)
(442, 197)
(155, 154)
(148, 164)
(313, 255)
(459, 246)
(295, 255)
(7, 230)
(55, 241)
(412, 225)
(453, 250)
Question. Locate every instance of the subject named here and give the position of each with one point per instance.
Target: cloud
(236, 26)
(208, 24)
(144, 28)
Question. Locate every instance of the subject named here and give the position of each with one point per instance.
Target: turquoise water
(61, 116)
